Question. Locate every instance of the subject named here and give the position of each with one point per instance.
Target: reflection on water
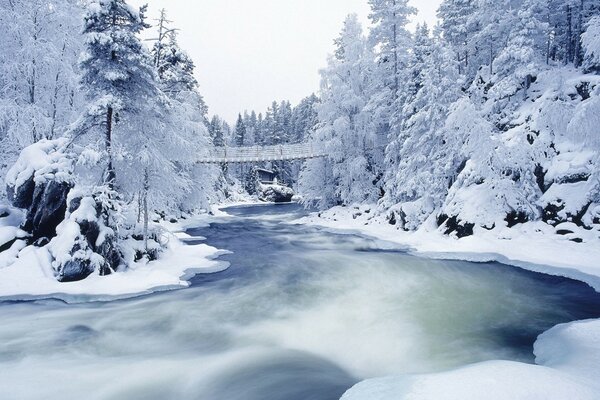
(301, 314)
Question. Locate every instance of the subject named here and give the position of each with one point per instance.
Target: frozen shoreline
(567, 356)
(30, 276)
(533, 246)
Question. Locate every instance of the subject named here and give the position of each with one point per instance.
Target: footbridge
(252, 154)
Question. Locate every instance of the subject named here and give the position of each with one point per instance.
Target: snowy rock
(40, 182)
(275, 193)
(47, 209)
(84, 244)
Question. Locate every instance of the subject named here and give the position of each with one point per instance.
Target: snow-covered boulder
(572, 185)
(84, 244)
(275, 193)
(39, 182)
(476, 200)
(12, 238)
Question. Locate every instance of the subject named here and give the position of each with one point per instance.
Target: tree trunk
(491, 58)
(396, 67)
(145, 205)
(578, 56)
(569, 55)
(110, 172)
(56, 92)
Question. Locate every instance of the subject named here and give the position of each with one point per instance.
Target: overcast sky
(251, 52)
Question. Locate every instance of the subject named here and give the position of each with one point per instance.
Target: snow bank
(10, 234)
(43, 160)
(534, 245)
(568, 356)
(31, 275)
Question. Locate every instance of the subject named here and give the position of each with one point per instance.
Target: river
(301, 314)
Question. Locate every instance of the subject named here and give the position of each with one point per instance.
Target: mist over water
(301, 314)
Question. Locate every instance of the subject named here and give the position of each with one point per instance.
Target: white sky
(251, 52)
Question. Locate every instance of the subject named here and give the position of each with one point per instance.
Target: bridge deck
(251, 154)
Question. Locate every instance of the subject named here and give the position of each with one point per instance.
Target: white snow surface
(567, 356)
(29, 274)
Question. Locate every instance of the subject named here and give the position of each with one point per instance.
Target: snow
(533, 245)
(44, 160)
(569, 164)
(31, 275)
(567, 356)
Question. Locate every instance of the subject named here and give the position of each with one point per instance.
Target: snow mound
(568, 358)
(43, 160)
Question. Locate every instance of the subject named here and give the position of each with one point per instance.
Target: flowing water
(302, 314)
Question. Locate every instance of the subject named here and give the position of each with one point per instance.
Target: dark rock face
(75, 270)
(514, 218)
(111, 254)
(47, 210)
(22, 196)
(551, 215)
(46, 204)
(453, 224)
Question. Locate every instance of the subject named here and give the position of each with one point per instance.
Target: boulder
(47, 209)
(93, 246)
(22, 195)
(75, 270)
(275, 193)
(454, 225)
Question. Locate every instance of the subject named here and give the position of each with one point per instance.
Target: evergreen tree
(240, 131)
(117, 72)
(423, 159)
(391, 40)
(215, 129)
(458, 27)
(345, 127)
(591, 46)
(390, 36)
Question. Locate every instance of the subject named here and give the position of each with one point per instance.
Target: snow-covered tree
(38, 69)
(188, 126)
(424, 158)
(117, 72)
(591, 45)
(459, 28)
(390, 36)
(345, 125)
(521, 59)
(391, 41)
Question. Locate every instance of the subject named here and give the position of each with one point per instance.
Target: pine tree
(345, 126)
(390, 36)
(117, 72)
(422, 160)
(591, 46)
(215, 129)
(240, 131)
(458, 28)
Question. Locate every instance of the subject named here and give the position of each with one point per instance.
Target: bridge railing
(282, 152)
